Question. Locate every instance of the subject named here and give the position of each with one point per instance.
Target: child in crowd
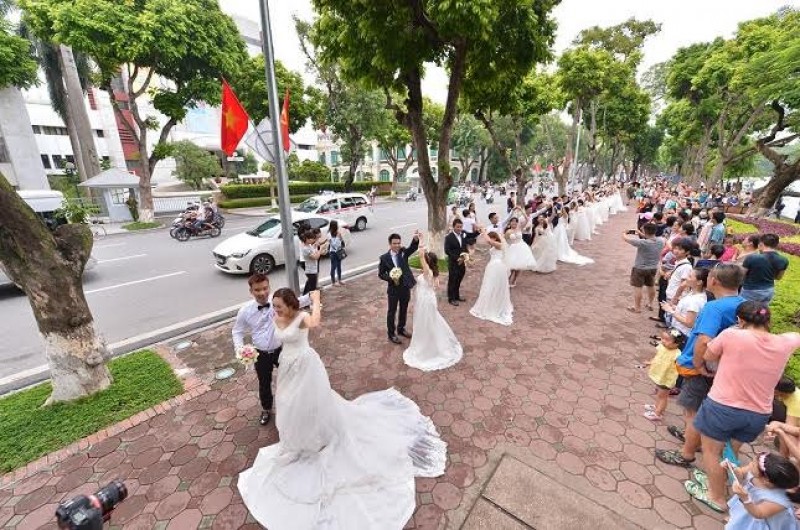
(663, 371)
(760, 499)
(787, 392)
(731, 250)
(710, 256)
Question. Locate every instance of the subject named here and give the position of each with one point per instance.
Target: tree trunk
(75, 142)
(783, 176)
(569, 154)
(484, 160)
(592, 144)
(79, 115)
(49, 266)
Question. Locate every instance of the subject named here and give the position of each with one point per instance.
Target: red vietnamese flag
(285, 123)
(234, 120)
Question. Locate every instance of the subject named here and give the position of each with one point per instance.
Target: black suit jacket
(453, 248)
(385, 265)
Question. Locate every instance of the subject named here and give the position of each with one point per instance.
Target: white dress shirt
(260, 324)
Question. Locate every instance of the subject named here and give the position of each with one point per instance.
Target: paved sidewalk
(555, 399)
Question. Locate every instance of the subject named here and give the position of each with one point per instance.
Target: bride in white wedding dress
(494, 298)
(565, 252)
(339, 465)
(433, 344)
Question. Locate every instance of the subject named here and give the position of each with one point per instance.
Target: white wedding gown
(494, 299)
(565, 252)
(604, 209)
(433, 344)
(583, 230)
(518, 254)
(339, 465)
(545, 250)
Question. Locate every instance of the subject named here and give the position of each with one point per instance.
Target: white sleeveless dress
(494, 298)
(545, 250)
(339, 465)
(433, 344)
(583, 230)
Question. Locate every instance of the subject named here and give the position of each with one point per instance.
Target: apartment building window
(322, 158)
(119, 195)
(305, 147)
(334, 158)
(37, 129)
(100, 133)
(58, 161)
(46, 162)
(70, 159)
(385, 176)
(54, 131)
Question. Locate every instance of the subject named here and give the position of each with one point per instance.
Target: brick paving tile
(560, 385)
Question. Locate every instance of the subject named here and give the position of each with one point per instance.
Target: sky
(684, 22)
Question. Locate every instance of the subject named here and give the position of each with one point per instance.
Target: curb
(41, 373)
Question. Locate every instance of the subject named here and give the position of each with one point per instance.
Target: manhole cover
(183, 345)
(225, 373)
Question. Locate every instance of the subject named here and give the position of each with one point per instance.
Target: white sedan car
(261, 249)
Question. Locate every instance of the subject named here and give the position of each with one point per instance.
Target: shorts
(694, 390)
(723, 423)
(642, 277)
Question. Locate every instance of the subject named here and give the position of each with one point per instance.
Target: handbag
(342, 252)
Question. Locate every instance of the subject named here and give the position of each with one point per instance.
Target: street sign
(235, 159)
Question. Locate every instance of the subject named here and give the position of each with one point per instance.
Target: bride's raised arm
(315, 318)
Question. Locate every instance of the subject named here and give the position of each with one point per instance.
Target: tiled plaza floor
(559, 390)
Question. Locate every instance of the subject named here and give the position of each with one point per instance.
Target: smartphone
(731, 474)
(631, 232)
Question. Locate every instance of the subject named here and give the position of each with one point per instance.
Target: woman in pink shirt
(751, 361)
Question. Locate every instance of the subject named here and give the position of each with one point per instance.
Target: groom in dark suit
(398, 291)
(454, 245)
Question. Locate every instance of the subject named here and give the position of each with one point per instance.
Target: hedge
(252, 202)
(246, 191)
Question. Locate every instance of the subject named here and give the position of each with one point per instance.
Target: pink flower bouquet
(247, 355)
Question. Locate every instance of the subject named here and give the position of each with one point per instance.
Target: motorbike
(178, 222)
(188, 230)
(411, 196)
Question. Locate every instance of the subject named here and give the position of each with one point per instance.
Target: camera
(90, 512)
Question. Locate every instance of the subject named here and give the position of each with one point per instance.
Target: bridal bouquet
(247, 355)
(395, 274)
(464, 258)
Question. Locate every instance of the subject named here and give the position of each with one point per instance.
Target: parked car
(261, 249)
(352, 208)
(44, 203)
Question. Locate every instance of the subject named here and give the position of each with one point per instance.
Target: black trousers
(528, 239)
(398, 298)
(662, 297)
(265, 362)
(311, 282)
(455, 273)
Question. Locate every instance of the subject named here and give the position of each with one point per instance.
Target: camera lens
(111, 495)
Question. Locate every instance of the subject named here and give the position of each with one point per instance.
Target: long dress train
(433, 345)
(339, 464)
(583, 230)
(494, 298)
(564, 251)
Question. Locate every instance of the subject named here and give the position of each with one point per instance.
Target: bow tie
(265, 306)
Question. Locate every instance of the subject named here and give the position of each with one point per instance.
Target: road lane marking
(398, 227)
(109, 246)
(121, 259)
(134, 282)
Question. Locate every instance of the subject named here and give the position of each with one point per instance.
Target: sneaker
(649, 407)
(652, 416)
(264, 419)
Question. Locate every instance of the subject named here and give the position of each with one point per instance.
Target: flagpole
(284, 201)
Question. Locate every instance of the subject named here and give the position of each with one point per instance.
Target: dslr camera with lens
(90, 512)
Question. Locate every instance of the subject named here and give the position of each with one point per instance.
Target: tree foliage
(189, 46)
(474, 41)
(250, 85)
(310, 171)
(193, 164)
(17, 68)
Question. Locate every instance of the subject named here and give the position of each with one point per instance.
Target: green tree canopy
(17, 68)
(193, 164)
(189, 45)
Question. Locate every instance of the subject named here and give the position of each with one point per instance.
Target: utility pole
(284, 200)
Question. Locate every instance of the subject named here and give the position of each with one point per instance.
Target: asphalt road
(147, 281)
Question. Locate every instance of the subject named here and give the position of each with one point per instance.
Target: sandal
(695, 490)
(649, 307)
(676, 432)
(651, 415)
(654, 343)
(649, 407)
(632, 309)
(700, 477)
(674, 458)
(655, 319)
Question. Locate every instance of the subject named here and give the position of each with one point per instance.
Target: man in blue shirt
(723, 282)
